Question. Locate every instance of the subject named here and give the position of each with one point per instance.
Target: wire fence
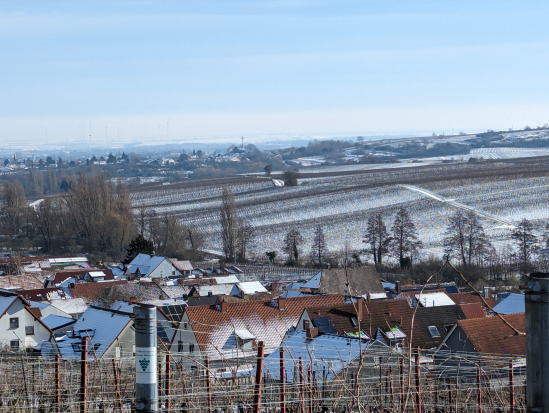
(383, 379)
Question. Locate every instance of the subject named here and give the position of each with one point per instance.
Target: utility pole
(242, 143)
(537, 341)
(146, 387)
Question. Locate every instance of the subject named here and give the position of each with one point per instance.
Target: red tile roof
(91, 291)
(473, 297)
(491, 335)
(473, 310)
(214, 330)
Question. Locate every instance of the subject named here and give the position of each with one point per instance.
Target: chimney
(311, 332)
(281, 303)
(359, 315)
(223, 306)
(210, 293)
(397, 287)
(133, 300)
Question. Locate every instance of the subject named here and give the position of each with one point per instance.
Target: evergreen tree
(138, 245)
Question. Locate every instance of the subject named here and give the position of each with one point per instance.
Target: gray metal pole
(146, 387)
(537, 342)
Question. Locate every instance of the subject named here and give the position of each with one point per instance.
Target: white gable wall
(26, 318)
(164, 269)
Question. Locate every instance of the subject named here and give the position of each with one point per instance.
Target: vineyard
(341, 201)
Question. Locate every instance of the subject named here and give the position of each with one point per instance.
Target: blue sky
(227, 68)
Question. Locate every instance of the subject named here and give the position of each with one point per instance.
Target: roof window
(354, 321)
(434, 331)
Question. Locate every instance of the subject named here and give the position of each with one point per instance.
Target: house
(75, 307)
(58, 323)
(512, 304)
(386, 320)
(329, 355)
(63, 278)
(232, 330)
(433, 323)
(151, 266)
(489, 335)
(432, 298)
(473, 297)
(110, 335)
(20, 324)
(363, 282)
(184, 267)
(47, 309)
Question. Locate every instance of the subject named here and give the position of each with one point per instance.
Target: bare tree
(404, 237)
(318, 247)
(290, 177)
(376, 238)
(526, 242)
(291, 245)
(229, 223)
(245, 237)
(465, 237)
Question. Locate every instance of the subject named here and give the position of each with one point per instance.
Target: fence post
(118, 397)
(258, 376)
(537, 340)
(146, 387)
(83, 373)
(402, 396)
(310, 385)
(58, 382)
(418, 383)
(450, 401)
(511, 387)
(167, 390)
(479, 391)
(301, 386)
(208, 383)
(282, 382)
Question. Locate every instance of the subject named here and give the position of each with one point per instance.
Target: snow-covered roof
(329, 354)
(244, 334)
(251, 287)
(512, 304)
(377, 296)
(95, 274)
(229, 279)
(123, 306)
(223, 289)
(146, 264)
(102, 326)
(292, 293)
(434, 299)
(314, 282)
(70, 306)
(5, 303)
(54, 321)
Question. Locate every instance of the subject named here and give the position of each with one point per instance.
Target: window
(76, 347)
(354, 321)
(191, 348)
(459, 336)
(448, 327)
(14, 344)
(14, 322)
(434, 331)
(173, 272)
(185, 326)
(29, 330)
(180, 346)
(306, 324)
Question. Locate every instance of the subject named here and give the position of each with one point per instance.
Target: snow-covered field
(341, 205)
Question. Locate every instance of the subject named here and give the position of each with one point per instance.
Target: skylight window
(434, 331)
(354, 321)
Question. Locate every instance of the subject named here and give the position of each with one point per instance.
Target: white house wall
(8, 334)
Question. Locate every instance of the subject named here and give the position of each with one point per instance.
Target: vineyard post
(168, 383)
(282, 382)
(146, 388)
(117, 397)
(537, 341)
(57, 383)
(208, 383)
(511, 388)
(418, 382)
(258, 376)
(479, 391)
(83, 373)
